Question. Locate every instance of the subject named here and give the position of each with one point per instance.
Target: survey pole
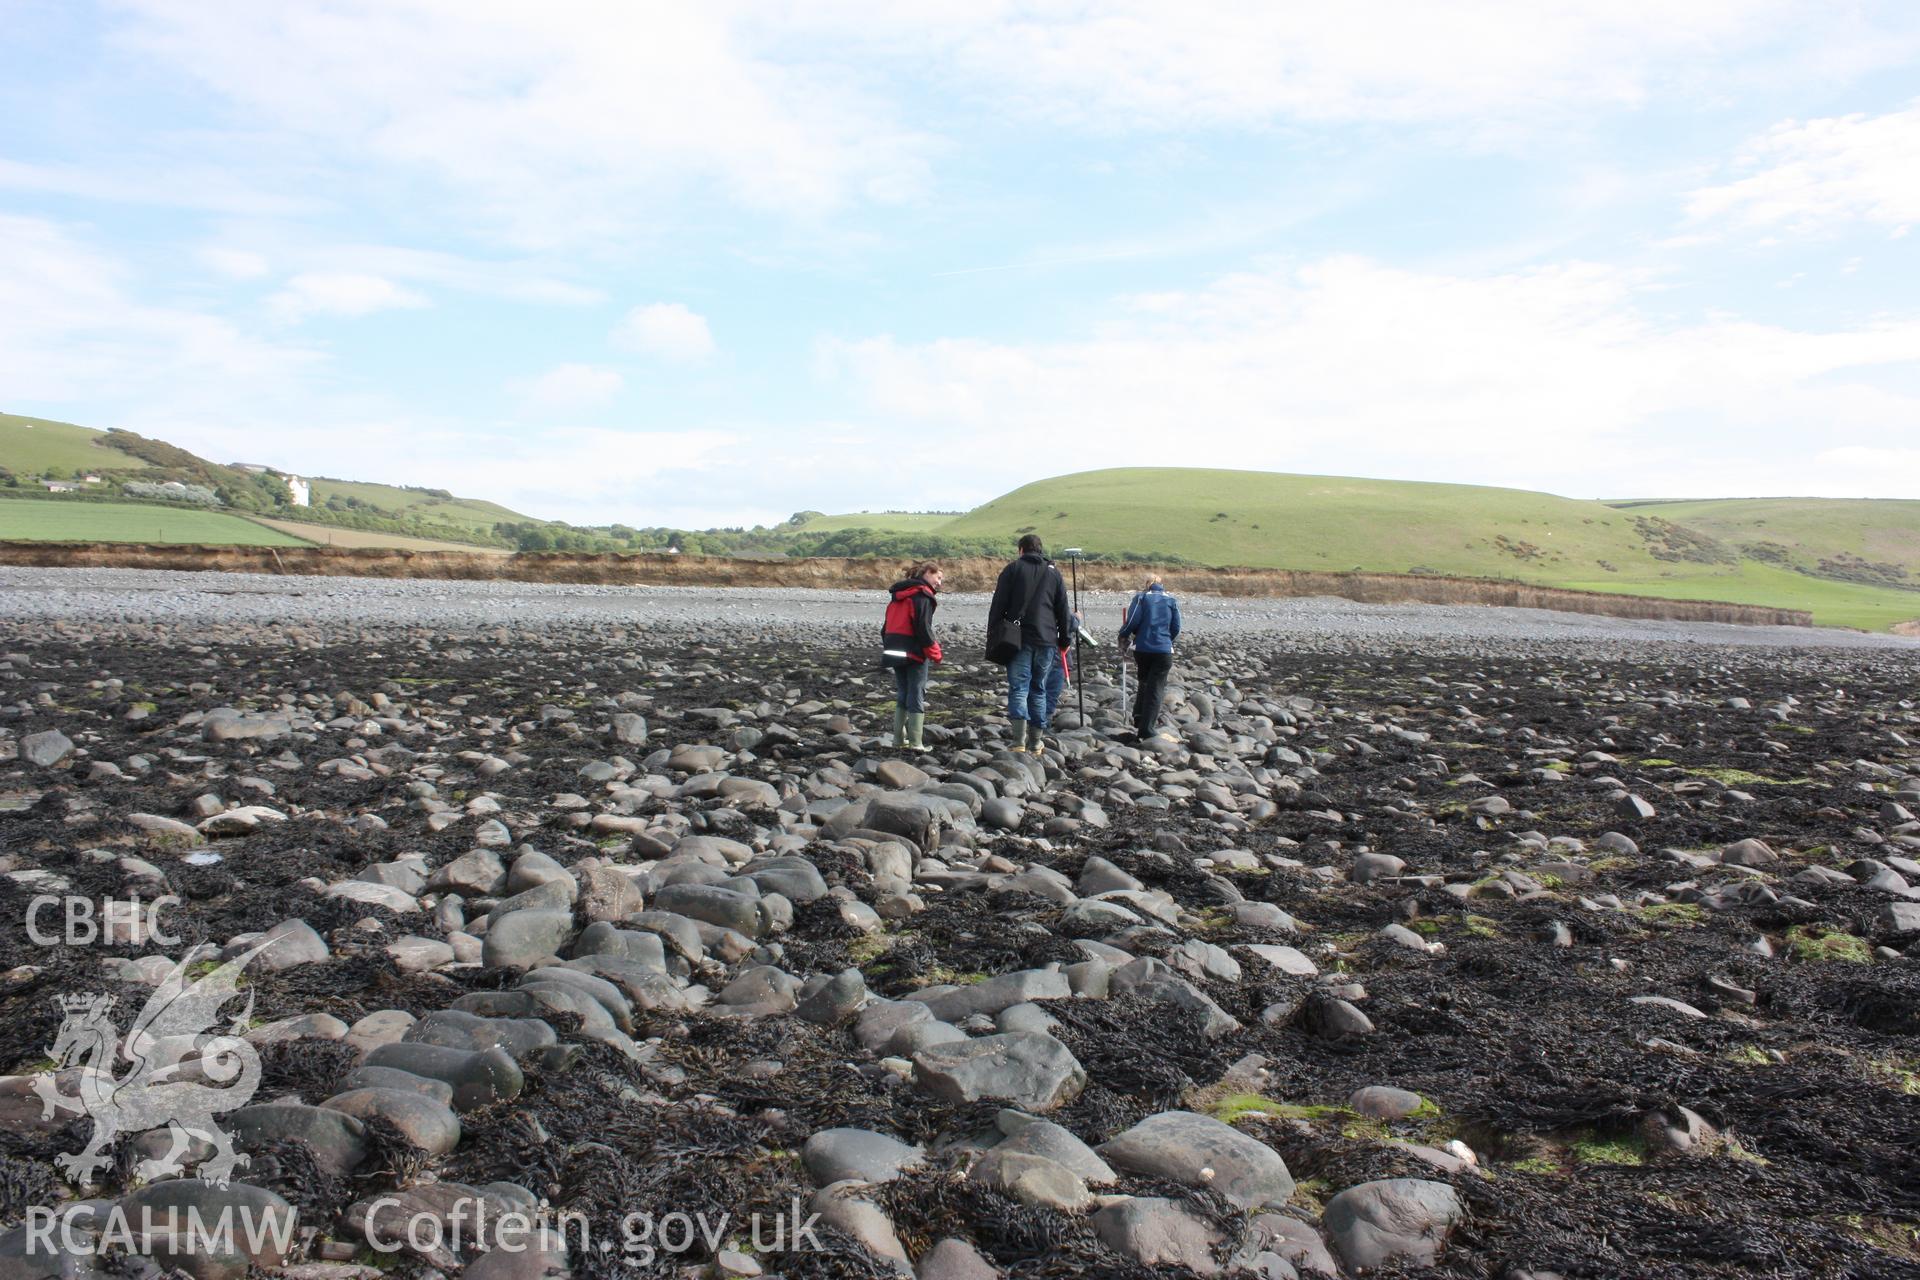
(1079, 667)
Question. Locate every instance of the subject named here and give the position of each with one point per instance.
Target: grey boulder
(1031, 1070)
(1392, 1220)
(1200, 1151)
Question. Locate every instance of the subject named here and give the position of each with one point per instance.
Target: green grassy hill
(50, 520)
(1341, 523)
(887, 521)
(1875, 541)
(431, 506)
(30, 446)
(1851, 563)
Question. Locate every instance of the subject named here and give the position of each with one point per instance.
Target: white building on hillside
(302, 491)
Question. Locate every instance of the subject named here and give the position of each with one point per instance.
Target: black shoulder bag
(1003, 646)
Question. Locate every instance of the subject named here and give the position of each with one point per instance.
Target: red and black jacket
(909, 621)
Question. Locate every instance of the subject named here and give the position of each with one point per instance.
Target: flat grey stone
(1288, 960)
(1899, 917)
(478, 873)
(457, 1029)
(860, 1155)
(182, 1200)
(840, 1205)
(1748, 853)
(287, 945)
(953, 1259)
(394, 1078)
(1030, 1135)
(1033, 1180)
(522, 939)
(412, 954)
(1383, 1102)
(541, 1255)
(1156, 1232)
(1031, 1070)
(1392, 1220)
(1369, 867)
(1179, 1145)
(602, 992)
(477, 1077)
(1296, 1243)
(763, 985)
(552, 895)
(429, 1125)
(1000, 992)
(338, 1141)
(1098, 876)
(1633, 809)
(728, 908)
(835, 1002)
(882, 1020)
(46, 748)
(1155, 980)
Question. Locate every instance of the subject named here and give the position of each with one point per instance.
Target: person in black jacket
(906, 639)
(1032, 591)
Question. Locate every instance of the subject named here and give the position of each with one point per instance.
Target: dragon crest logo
(181, 1073)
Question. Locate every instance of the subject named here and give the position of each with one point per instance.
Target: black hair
(1030, 543)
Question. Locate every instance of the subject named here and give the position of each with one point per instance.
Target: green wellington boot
(916, 725)
(899, 725)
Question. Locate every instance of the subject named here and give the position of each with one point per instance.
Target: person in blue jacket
(1151, 624)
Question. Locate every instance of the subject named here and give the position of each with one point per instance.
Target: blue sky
(712, 264)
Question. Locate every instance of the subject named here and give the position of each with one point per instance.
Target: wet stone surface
(1438, 942)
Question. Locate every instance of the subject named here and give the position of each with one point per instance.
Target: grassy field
(1832, 604)
(1319, 522)
(27, 520)
(469, 512)
(329, 536)
(28, 446)
(1339, 523)
(1879, 530)
(886, 521)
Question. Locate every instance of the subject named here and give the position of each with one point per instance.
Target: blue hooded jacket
(1153, 620)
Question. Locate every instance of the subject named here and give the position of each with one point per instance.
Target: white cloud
(583, 475)
(340, 294)
(1819, 174)
(1161, 64)
(167, 181)
(665, 329)
(568, 386)
(590, 475)
(71, 332)
(579, 118)
(522, 280)
(1894, 471)
(1557, 378)
(235, 264)
(592, 120)
(537, 280)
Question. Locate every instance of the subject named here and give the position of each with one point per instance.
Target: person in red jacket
(909, 650)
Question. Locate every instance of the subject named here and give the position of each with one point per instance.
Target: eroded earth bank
(1436, 942)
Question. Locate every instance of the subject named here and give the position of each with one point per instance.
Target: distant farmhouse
(302, 491)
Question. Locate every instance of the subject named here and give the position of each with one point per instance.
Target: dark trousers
(910, 686)
(1153, 669)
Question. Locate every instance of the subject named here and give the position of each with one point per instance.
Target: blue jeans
(1056, 682)
(910, 686)
(1027, 683)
